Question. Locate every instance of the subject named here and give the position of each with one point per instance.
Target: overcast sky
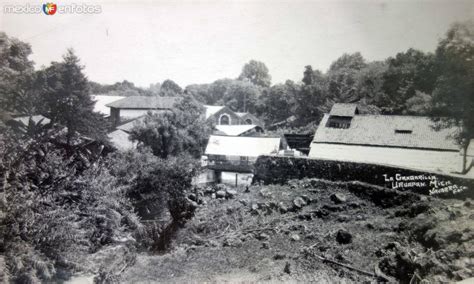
(198, 42)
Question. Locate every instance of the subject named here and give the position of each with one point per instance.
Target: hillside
(316, 231)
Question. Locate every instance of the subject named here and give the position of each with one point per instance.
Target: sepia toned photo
(237, 141)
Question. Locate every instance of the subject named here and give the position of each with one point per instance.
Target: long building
(404, 141)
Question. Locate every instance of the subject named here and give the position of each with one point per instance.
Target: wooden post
(236, 179)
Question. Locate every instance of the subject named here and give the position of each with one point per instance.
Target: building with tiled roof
(404, 141)
(136, 106)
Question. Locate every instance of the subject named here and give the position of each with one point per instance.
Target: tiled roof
(379, 130)
(242, 146)
(235, 130)
(344, 109)
(145, 102)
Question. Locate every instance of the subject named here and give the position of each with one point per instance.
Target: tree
(407, 73)
(312, 100)
(67, 100)
(453, 97)
(200, 92)
(16, 76)
(369, 82)
(170, 89)
(278, 102)
(342, 76)
(257, 73)
(241, 96)
(174, 132)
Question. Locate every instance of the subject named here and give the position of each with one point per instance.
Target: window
(339, 122)
(224, 119)
(248, 121)
(403, 131)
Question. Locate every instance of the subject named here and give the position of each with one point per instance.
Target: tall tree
(312, 99)
(257, 72)
(278, 102)
(182, 130)
(342, 77)
(67, 100)
(407, 73)
(453, 97)
(16, 76)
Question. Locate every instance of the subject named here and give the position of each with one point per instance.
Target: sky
(193, 42)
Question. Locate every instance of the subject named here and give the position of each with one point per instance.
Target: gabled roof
(211, 110)
(101, 102)
(344, 110)
(145, 102)
(35, 118)
(380, 130)
(242, 146)
(129, 125)
(235, 130)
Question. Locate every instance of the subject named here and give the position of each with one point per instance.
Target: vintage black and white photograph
(237, 141)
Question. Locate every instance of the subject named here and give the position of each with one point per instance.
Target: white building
(404, 141)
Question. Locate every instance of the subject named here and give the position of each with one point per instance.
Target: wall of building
(132, 113)
(410, 158)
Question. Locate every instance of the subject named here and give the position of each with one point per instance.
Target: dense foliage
(56, 211)
(171, 133)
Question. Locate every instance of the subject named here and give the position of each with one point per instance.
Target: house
(136, 106)
(120, 136)
(236, 153)
(402, 141)
(222, 115)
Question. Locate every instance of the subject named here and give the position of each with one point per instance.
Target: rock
(360, 217)
(231, 193)
(254, 207)
(232, 242)
(193, 204)
(343, 218)
(343, 237)
(279, 256)
(338, 198)
(287, 268)
(263, 237)
(295, 237)
(283, 208)
(243, 202)
(299, 203)
(192, 197)
(305, 216)
(265, 245)
(220, 194)
(213, 196)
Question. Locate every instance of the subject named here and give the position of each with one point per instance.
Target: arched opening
(224, 119)
(248, 121)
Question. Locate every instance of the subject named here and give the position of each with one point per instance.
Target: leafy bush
(55, 216)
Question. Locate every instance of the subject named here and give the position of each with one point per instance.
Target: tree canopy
(171, 133)
(257, 72)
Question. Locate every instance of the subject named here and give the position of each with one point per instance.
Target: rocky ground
(316, 231)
